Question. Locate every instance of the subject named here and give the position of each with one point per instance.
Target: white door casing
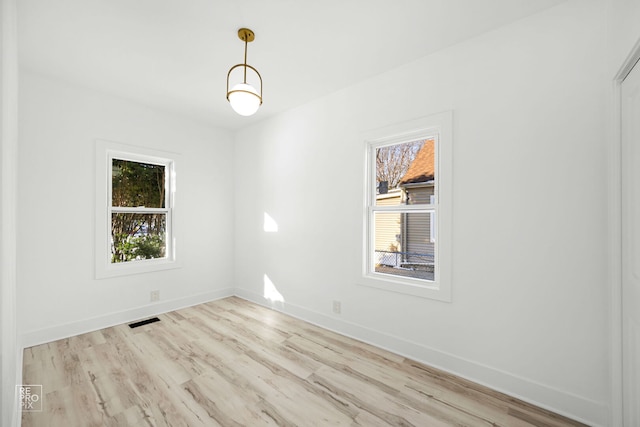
(630, 174)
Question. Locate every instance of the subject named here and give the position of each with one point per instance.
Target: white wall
(57, 291)
(529, 312)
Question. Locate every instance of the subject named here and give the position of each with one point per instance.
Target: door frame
(614, 229)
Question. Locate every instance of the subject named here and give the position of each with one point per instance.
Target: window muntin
(403, 208)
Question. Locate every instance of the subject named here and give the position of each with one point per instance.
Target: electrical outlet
(155, 296)
(337, 307)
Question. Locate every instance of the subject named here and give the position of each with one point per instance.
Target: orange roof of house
(423, 166)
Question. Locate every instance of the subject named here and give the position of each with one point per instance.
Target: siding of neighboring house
(416, 227)
(418, 239)
(420, 195)
(392, 198)
(387, 228)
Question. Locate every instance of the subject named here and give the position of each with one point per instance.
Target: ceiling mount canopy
(243, 97)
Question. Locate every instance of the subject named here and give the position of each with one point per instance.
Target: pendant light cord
(245, 57)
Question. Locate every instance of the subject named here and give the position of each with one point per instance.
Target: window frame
(439, 128)
(106, 151)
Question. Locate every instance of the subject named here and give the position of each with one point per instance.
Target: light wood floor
(234, 363)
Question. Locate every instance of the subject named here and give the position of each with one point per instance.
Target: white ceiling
(174, 54)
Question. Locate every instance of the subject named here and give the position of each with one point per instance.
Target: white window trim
(440, 127)
(106, 151)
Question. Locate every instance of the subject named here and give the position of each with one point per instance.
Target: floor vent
(143, 322)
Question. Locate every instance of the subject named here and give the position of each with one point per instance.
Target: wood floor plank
(366, 363)
(234, 363)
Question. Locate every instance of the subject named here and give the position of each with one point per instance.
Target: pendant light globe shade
(244, 99)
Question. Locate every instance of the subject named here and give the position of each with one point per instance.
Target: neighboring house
(388, 226)
(408, 240)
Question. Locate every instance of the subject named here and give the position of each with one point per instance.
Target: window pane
(137, 184)
(136, 236)
(403, 244)
(405, 173)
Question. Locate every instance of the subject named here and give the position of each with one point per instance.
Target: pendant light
(243, 97)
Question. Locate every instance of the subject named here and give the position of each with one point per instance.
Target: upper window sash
(169, 175)
(374, 145)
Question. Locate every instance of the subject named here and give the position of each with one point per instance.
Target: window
(134, 210)
(408, 204)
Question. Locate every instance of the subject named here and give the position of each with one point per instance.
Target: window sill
(422, 289)
(135, 267)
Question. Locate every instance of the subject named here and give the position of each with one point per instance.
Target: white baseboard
(57, 332)
(570, 405)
